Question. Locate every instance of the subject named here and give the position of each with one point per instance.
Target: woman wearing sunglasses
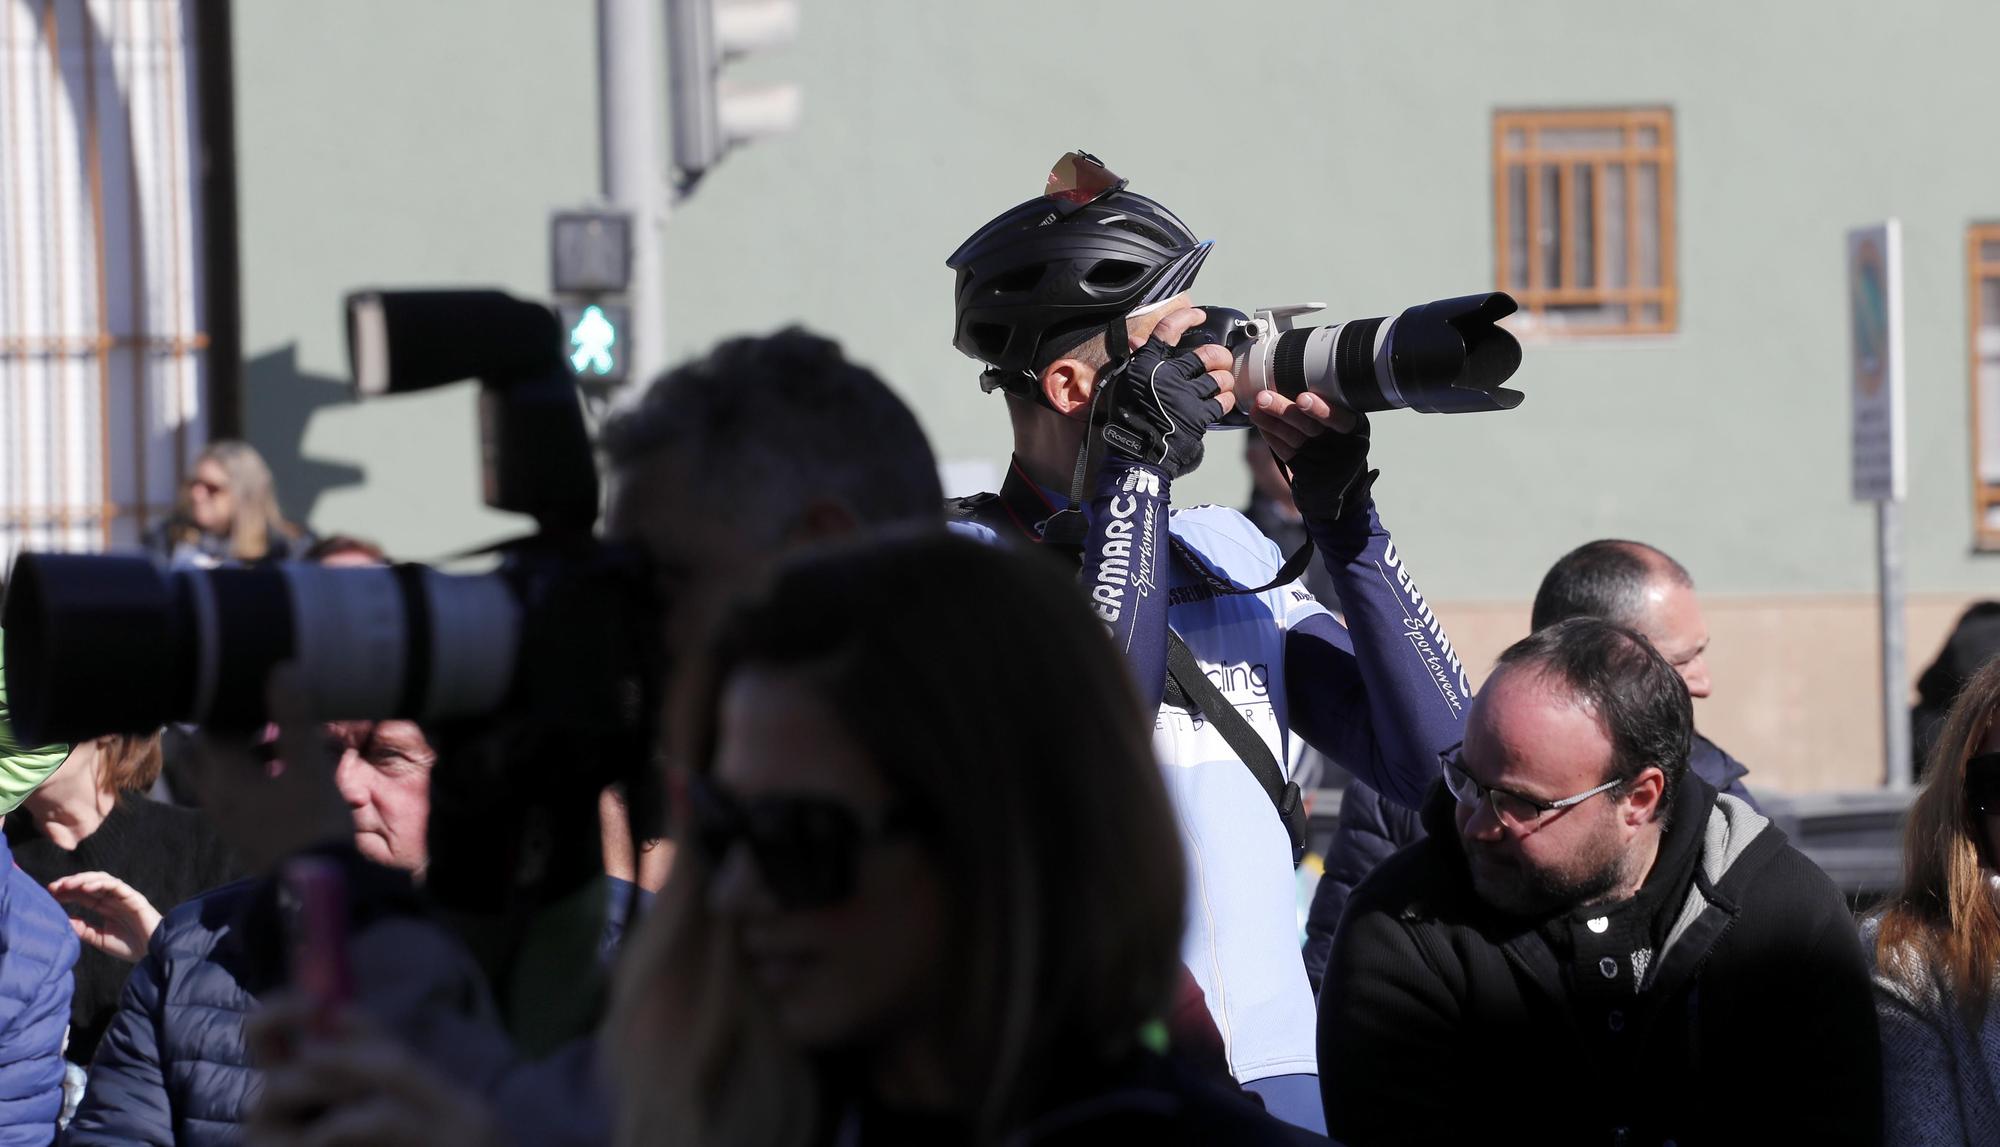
(1936, 944)
(229, 512)
(901, 912)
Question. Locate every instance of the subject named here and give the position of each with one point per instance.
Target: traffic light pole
(631, 142)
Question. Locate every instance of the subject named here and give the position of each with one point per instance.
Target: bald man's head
(1634, 585)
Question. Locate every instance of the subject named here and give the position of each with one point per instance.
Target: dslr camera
(1444, 357)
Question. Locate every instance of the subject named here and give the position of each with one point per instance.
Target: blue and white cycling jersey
(1241, 942)
(1383, 700)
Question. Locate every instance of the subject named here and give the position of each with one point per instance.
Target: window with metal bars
(1982, 262)
(1584, 219)
(103, 312)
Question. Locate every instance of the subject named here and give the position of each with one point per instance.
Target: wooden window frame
(1977, 270)
(1536, 300)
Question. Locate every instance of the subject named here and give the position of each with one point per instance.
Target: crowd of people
(976, 820)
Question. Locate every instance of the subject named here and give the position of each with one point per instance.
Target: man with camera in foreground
(1078, 303)
(762, 446)
(1591, 945)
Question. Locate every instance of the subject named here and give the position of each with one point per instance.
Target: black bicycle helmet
(1040, 271)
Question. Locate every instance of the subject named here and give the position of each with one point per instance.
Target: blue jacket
(172, 1067)
(1371, 830)
(37, 951)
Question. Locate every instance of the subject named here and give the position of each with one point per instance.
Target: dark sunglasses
(1982, 783)
(205, 486)
(807, 849)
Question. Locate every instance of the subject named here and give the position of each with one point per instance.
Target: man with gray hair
(1640, 587)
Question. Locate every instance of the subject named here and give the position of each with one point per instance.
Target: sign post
(1879, 470)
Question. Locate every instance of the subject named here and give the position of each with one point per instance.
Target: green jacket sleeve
(22, 767)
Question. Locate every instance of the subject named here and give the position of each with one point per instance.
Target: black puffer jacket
(1737, 1010)
(1372, 828)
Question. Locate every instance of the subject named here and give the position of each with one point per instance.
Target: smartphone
(315, 903)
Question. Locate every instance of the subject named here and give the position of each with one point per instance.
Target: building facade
(1667, 192)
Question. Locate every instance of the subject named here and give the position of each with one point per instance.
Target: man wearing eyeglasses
(1592, 945)
(1077, 302)
(1631, 583)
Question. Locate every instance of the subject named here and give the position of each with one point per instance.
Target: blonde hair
(1054, 838)
(1945, 918)
(256, 515)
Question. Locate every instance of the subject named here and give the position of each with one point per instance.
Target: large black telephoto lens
(564, 634)
(1446, 357)
(117, 645)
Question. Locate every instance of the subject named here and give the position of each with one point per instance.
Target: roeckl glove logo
(1157, 405)
(1124, 441)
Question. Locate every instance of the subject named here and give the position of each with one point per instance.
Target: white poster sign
(1875, 312)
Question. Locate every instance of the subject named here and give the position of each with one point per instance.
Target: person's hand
(335, 1080)
(268, 810)
(1157, 406)
(1324, 447)
(1289, 425)
(120, 921)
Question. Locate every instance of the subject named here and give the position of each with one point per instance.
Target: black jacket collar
(1676, 876)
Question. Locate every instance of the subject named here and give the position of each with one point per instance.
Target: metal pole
(1895, 678)
(632, 143)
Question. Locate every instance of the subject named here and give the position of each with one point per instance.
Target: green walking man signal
(591, 342)
(597, 347)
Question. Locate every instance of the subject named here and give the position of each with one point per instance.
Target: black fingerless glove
(1156, 407)
(1330, 475)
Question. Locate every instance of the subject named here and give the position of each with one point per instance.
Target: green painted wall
(1336, 151)
(386, 143)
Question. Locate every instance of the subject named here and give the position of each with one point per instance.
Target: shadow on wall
(278, 404)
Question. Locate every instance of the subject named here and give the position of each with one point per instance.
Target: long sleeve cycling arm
(1125, 567)
(1386, 695)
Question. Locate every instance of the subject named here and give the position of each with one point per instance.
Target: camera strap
(1189, 688)
(1294, 566)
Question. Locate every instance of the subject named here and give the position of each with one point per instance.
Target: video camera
(564, 635)
(1445, 357)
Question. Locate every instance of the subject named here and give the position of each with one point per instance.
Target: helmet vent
(1114, 273)
(989, 338)
(1142, 228)
(1013, 282)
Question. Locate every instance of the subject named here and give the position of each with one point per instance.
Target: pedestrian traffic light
(590, 268)
(595, 341)
(710, 114)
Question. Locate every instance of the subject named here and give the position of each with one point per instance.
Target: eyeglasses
(1079, 179)
(1515, 810)
(1982, 783)
(205, 486)
(807, 849)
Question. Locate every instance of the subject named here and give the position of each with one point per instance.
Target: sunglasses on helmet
(807, 849)
(1982, 783)
(1079, 179)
